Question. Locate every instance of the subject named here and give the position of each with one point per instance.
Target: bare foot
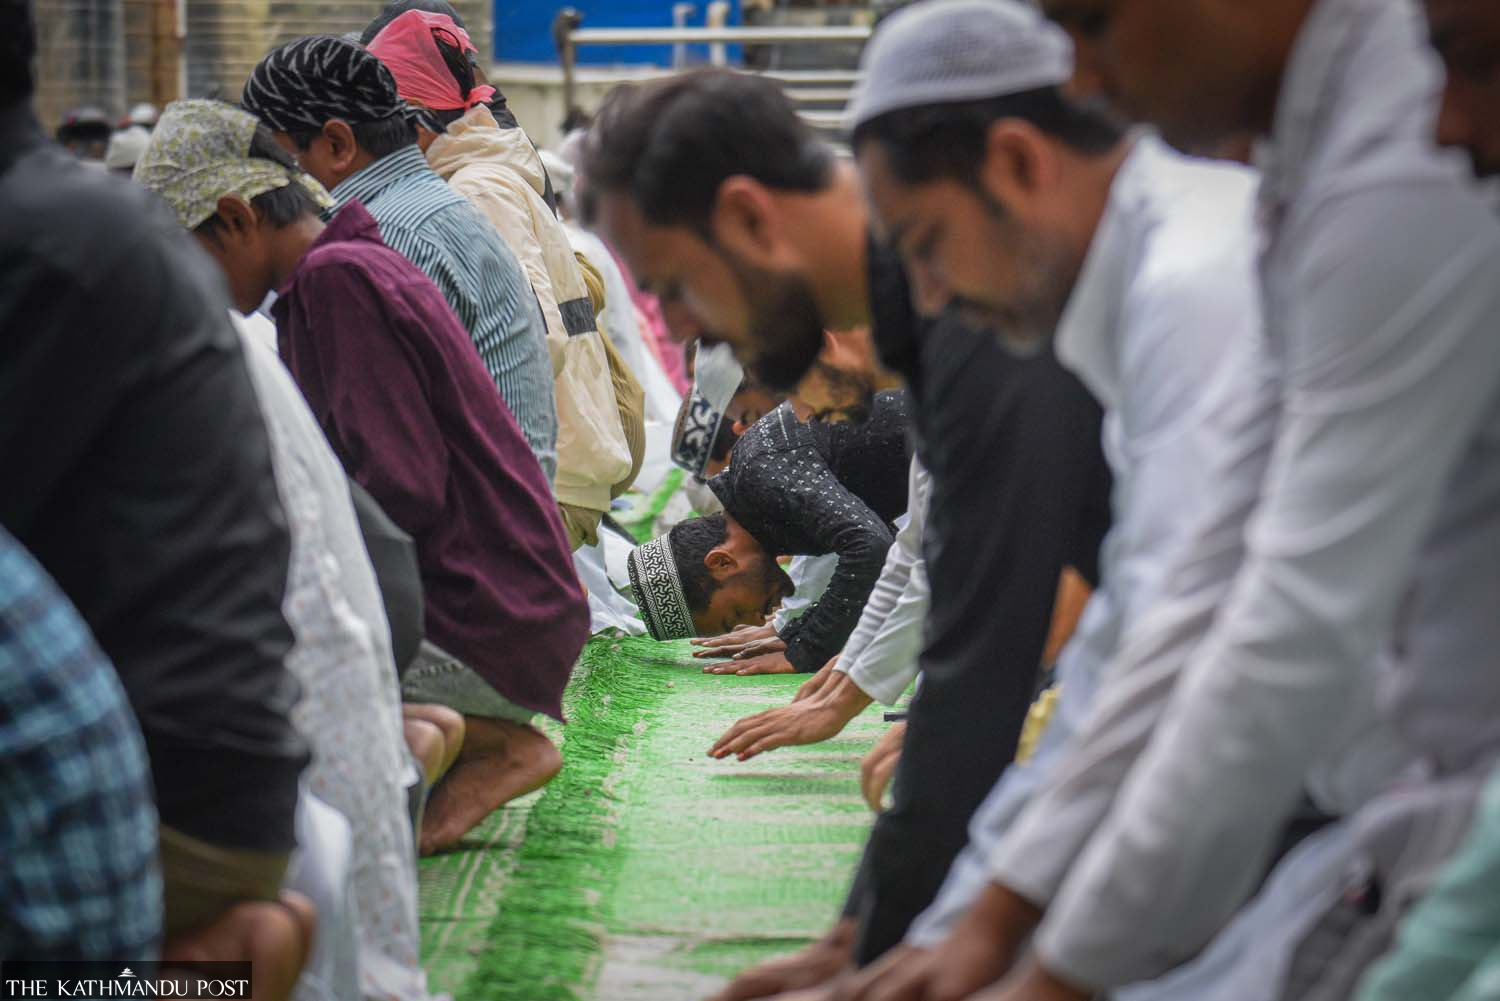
(276, 938)
(500, 761)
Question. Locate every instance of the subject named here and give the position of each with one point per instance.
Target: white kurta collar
(1087, 335)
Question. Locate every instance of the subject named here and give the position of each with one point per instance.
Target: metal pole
(718, 17)
(567, 21)
(681, 14)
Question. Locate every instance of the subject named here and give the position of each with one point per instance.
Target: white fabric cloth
(608, 608)
(350, 711)
(1308, 934)
(321, 870)
(1163, 326)
(1372, 554)
(810, 576)
(880, 656)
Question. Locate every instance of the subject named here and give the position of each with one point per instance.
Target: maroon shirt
(406, 402)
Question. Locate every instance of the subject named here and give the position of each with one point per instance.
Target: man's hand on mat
(811, 966)
(735, 641)
(814, 685)
(806, 722)
(766, 663)
(888, 976)
(880, 764)
(1033, 983)
(977, 953)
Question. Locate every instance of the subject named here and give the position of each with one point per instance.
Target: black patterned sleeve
(838, 522)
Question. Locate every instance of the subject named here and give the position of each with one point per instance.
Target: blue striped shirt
(439, 231)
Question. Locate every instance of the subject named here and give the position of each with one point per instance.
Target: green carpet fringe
(649, 872)
(547, 943)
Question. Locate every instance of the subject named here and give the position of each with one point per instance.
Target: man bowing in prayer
(792, 488)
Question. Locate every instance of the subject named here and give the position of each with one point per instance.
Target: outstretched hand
(768, 663)
(807, 721)
(818, 682)
(741, 639)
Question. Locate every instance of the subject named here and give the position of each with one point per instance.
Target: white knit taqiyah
(946, 51)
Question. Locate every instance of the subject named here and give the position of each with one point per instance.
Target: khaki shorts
(200, 880)
(440, 678)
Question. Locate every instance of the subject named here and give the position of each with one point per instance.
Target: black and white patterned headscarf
(303, 84)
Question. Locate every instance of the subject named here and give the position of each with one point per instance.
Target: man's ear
(342, 147)
(720, 562)
(744, 221)
(1018, 162)
(238, 217)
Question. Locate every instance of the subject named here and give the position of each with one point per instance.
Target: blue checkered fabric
(78, 852)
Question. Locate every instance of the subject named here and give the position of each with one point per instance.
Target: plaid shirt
(427, 222)
(78, 855)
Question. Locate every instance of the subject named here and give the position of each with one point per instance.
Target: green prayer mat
(647, 871)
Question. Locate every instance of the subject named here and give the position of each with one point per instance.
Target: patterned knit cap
(200, 152)
(303, 84)
(657, 588)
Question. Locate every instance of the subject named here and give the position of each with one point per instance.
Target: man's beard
(775, 579)
(1046, 272)
(786, 326)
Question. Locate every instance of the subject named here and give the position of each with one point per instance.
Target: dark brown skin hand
(975, 955)
(735, 642)
(879, 765)
(814, 685)
(769, 663)
(807, 722)
(816, 964)
(276, 938)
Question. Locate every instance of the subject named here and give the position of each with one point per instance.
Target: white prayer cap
(125, 148)
(946, 51)
(143, 113)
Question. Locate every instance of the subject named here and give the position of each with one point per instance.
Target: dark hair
(280, 207)
(670, 143)
(379, 139)
(462, 71)
(691, 541)
(949, 140)
(724, 440)
(17, 49)
(396, 8)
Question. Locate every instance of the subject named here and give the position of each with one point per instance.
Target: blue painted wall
(523, 30)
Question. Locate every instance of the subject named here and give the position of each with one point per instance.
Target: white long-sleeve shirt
(1163, 326)
(1373, 556)
(350, 709)
(881, 654)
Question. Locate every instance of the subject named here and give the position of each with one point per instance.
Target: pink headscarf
(408, 47)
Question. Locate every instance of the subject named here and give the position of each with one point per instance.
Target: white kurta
(881, 654)
(1163, 326)
(1373, 556)
(350, 711)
